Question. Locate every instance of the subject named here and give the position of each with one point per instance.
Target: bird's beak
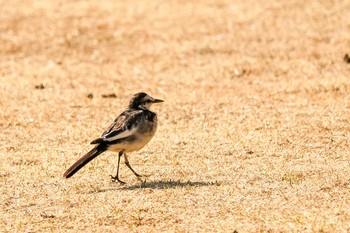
(157, 101)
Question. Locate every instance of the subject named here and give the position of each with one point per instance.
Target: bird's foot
(115, 178)
(142, 178)
(145, 175)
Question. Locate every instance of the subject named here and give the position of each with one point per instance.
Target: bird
(129, 132)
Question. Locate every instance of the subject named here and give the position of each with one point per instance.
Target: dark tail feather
(85, 159)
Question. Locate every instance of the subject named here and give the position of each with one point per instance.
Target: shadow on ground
(170, 184)
(161, 185)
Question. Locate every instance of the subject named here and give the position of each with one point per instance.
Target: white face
(148, 103)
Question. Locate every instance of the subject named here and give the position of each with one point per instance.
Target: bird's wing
(122, 127)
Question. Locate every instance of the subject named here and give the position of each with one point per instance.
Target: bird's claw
(115, 178)
(142, 178)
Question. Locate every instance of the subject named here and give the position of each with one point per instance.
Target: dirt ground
(253, 135)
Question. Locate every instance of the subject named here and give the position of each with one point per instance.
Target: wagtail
(130, 131)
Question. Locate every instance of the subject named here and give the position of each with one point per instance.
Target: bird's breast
(145, 132)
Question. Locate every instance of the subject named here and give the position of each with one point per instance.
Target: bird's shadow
(168, 184)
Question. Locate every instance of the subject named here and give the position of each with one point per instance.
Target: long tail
(85, 159)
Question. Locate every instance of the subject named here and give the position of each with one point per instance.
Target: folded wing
(123, 126)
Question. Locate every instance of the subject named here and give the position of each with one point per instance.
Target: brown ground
(253, 135)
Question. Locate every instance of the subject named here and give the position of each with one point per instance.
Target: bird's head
(143, 101)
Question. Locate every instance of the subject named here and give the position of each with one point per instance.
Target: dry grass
(253, 136)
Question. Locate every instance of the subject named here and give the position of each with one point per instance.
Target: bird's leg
(116, 177)
(128, 165)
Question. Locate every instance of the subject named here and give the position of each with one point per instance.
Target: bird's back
(130, 131)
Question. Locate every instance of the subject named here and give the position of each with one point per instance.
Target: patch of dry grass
(253, 134)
